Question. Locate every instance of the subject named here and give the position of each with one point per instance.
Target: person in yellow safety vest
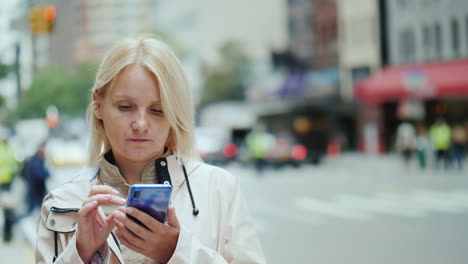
(8, 165)
(441, 134)
(259, 142)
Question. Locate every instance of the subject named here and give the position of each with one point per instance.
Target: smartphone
(152, 199)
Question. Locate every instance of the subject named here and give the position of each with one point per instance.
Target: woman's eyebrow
(127, 97)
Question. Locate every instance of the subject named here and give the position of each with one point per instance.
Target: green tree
(69, 91)
(226, 81)
(5, 69)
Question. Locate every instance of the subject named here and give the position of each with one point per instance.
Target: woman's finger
(131, 225)
(106, 199)
(126, 243)
(128, 235)
(102, 189)
(110, 224)
(143, 217)
(87, 208)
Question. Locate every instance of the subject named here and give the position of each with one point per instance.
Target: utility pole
(18, 72)
(33, 44)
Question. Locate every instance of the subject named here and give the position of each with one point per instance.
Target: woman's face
(132, 116)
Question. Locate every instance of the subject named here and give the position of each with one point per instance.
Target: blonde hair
(176, 96)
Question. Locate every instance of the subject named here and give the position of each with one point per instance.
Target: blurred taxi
(66, 153)
(286, 151)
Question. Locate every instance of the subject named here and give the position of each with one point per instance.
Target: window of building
(292, 27)
(360, 73)
(455, 38)
(466, 35)
(427, 42)
(407, 46)
(438, 41)
(402, 3)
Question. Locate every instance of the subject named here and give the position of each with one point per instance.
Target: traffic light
(42, 19)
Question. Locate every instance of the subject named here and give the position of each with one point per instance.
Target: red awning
(432, 80)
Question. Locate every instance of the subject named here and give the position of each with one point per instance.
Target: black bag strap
(162, 171)
(55, 246)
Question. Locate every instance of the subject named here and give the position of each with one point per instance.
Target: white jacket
(223, 231)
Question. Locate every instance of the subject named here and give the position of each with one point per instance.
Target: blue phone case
(152, 199)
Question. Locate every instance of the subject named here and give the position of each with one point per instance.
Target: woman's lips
(137, 140)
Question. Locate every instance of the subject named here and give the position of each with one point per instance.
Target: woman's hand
(93, 226)
(157, 241)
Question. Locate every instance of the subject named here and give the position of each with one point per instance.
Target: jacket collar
(173, 163)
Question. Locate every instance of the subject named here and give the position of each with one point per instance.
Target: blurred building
(83, 29)
(427, 30)
(304, 92)
(15, 46)
(360, 56)
(424, 53)
(62, 42)
(301, 30)
(200, 28)
(103, 22)
(312, 26)
(359, 42)
(325, 28)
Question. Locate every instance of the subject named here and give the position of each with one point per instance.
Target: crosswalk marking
(360, 207)
(261, 208)
(328, 208)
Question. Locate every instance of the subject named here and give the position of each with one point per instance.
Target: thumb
(110, 224)
(172, 219)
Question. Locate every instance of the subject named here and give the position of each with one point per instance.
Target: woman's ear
(97, 101)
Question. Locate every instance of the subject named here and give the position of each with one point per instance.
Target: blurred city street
(346, 120)
(352, 209)
(359, 209)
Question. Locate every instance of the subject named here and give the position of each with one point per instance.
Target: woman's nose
(140, 123)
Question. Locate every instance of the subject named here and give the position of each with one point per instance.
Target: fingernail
(121, 200)
(115, 191)
(130, 210)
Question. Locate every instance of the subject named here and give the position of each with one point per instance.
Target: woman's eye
(124, 107)
(157, 111)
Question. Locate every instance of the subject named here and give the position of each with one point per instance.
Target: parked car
(214, 147)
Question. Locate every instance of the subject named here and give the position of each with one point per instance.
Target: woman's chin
(140, 156)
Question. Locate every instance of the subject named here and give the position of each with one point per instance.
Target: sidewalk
(17, 251)
(21, 248)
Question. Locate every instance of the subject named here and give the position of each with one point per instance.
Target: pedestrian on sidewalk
(142, 127)
(424, 148)
(36, 174)
(441, 135)
(458, 145)
(406, 141)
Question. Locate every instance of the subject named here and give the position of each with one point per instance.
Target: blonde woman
(141, 116)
